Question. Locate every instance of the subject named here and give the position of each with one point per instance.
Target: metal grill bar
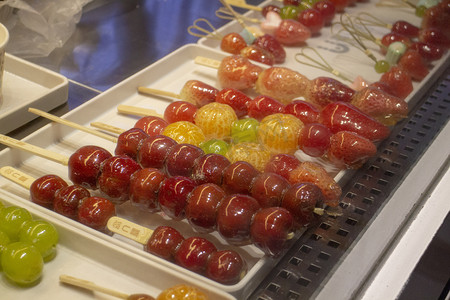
(306, 265)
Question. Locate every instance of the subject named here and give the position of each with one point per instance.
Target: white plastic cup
(4, 38)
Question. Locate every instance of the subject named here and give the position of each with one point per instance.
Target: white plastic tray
(84, 255)
(343, 57)
(27, 84)
(169, 74)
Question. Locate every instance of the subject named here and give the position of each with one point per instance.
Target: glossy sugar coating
(279, 133)
(282, 84)
(184, 132)
(182, 292)
(215, 120)
(253, 153)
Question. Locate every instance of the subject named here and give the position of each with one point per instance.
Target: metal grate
(305, 266)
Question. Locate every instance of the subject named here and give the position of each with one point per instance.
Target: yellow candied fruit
(252, 153)
(184, 132)
(182, 292)
(278, 133)
(215, 120)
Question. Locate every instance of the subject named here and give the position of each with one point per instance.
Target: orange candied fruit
(252, 153)
(215, 120)
(184, 132)
(278, 133)
(182, 292)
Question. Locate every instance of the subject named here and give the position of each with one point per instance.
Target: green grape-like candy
(22, 263)
(289, 12)
(245, 131)
(4, 241)
(215, 146)
(41, 234)
(11, 220)
(382, 66)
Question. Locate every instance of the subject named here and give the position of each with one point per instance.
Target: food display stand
(390, 211)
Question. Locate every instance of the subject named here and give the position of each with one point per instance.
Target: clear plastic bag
(38, 27)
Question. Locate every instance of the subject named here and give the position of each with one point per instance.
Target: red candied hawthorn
(234, 217)
(152, 125)
(153, 151)
(114, 180)
(144, 188)
(238, 177)
(313, 173)
(301, 199)
(268, 189)
(173, 195)
(181, 159)
(427, 51)
(405, 28)
(314, 139)
(68, 199)
(258, 54)
(95, 212)
(202, 206)
(180, 111)
(413, 63)
(164, 242)
(391, 37)
(312, 19)
(271, 230)
(128, 142)
(43, 189)
(327, 10)
(209, 168)
(193, 253)
(84, 165)
(282, 164)
(291, 32)
(226, 267)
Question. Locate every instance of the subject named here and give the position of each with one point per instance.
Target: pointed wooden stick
(156, 92)
(47, 154)
(207, 62)
(89, 285)
(107, 127)
(137, 111)
(16, 176)
(73, 124)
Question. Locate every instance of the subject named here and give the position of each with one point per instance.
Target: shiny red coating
(95, 212)
(282, 164)
(233, 43)
(153, 151)
(268, 189)
(173, 195)
(181, 159)
(85, 164)
(314, 139)
(209, 168)
(67, 200)
(193, 253)
(234, 98)
(269, 43)
(144, 188)
(261, 106)
(238, 177)
(164, 242)
(43, 189)
(305, 111)
(270, 230)
(226, 267)
(128, 142)
(180, 111)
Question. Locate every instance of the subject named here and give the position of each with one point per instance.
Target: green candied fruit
(245, 130)
(4, 241)
(382, 66)
(41, 234)
(215, 146)
(12, 219)
(289, 12)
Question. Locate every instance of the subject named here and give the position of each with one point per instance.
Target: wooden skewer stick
(47, 154)
(107, 127)
(137, 111)
(133, 231)
(73, 124)
(156, 92)
(243, 4)
(89, 285)
(207, 62)
(16, 176)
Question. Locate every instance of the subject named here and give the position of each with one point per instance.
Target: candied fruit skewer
(74, 201)
(137, 111)
(193, 253)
